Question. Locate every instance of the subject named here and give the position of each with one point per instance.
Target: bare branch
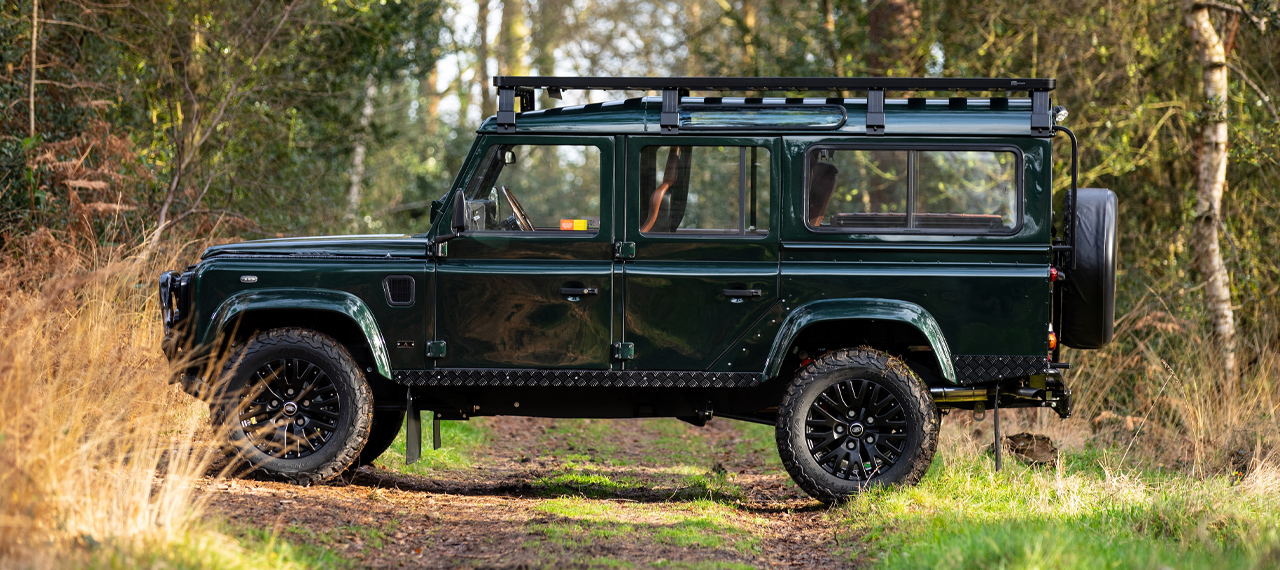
(1261, 94)
(231, 92)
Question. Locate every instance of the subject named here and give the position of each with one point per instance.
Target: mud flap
(412, 431)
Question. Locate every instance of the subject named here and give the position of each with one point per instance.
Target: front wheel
(856, 418)
(295, 405)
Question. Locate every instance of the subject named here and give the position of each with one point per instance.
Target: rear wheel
(295, 406)
(856, 418)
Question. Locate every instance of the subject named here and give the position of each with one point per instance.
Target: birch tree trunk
(1211, 181)
(357, 157)
(31, 96)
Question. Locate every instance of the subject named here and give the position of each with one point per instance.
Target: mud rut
(495, 512)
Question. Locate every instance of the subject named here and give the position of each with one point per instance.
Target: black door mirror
(459, 212)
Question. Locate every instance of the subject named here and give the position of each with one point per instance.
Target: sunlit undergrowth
(457, 440)
(99, 454)
(1091, 512)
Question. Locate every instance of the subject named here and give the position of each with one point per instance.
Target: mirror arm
(459, 224)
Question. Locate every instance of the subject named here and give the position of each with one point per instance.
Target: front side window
(704, 190)
(536, 188)
(971, 191)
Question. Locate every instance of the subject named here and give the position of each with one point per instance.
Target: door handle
(740, 293)
(577, 291)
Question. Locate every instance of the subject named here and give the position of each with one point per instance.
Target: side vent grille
(399, 289)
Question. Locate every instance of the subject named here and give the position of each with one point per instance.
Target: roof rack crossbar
(511, 88)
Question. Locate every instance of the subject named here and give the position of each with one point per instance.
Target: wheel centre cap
(291, 408)
(855, 429)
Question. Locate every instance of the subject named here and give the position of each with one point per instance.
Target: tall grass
(95, 445)
(1164, 376)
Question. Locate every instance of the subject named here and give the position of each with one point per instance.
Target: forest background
(134, 133)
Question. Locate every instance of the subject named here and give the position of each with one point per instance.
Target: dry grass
(1161, 393)
(95, 445)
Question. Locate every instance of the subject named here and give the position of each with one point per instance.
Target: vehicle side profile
(843, 268)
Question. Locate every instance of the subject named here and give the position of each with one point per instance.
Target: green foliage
(456, 439)
(1089, 514)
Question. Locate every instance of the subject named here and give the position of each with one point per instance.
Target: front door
(530, 285)
(702, 214)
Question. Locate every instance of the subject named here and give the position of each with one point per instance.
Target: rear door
(701, 213)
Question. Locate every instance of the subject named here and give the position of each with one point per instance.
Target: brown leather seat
(659, 201)
(822, 183)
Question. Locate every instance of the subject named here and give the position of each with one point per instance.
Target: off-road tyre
(386, 426)
(852, 367)
(345, 395)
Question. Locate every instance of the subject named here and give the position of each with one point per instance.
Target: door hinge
(438, 250)
(624, 350)
(624, 250)
(436, 349)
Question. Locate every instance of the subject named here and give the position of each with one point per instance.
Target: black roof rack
(511, 88)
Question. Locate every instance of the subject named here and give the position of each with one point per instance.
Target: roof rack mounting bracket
(875, 112)
(1041, 118)
(669, 120)
(506, 109)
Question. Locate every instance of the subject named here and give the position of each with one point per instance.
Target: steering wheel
(521, 218)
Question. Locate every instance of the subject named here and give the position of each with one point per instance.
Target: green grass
(579, 523)
(965, 515)
(457, 440)
(222, 546)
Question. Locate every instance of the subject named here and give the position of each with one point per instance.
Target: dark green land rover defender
(842, 268)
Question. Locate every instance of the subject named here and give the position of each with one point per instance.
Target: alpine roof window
(913, 190)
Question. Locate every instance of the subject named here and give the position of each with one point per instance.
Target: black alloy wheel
(291, 409)
(295, 405)
(856, 429)
(856, 418)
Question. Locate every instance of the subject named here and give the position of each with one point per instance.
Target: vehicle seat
(666, 198)
(822, 184)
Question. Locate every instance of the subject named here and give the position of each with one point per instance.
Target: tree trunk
(482, 60)
(833, 44)
(357, 157)
(548, 22)
(511, 34)
(31, 99)
(1211, 181)
(892, 28)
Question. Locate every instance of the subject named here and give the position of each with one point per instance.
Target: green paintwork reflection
(314, 300)
(678, 316)
(498, 313)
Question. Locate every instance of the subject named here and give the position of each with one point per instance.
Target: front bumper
(175, 306)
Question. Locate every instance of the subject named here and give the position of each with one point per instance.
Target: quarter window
(543, 188)
(924, 190)
(704, 190)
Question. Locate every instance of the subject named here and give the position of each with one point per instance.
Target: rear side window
(913, 190)
(704, 190)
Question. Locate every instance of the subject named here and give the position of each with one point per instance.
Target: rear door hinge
(624, 350)
(624, 250)
(436, 349)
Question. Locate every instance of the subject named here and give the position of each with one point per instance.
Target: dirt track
(562, 493)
